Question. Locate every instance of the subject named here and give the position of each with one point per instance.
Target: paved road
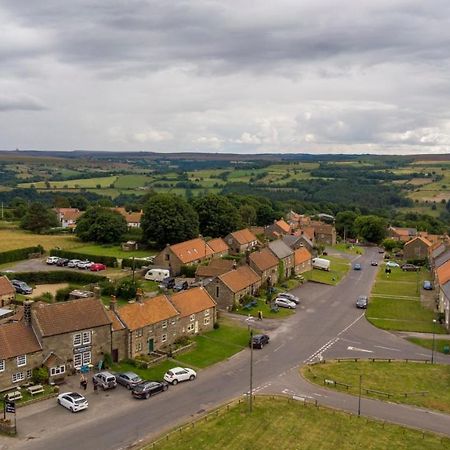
(327, 324)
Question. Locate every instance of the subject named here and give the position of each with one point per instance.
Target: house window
(164, 324)
(21, 360)
(76, 339)
(57, 370)
(138, 346)
(192, 318)
(206, 321)
(173, 321)
(2, 365)
(86, 337)
(86, 358)
(217, 291)
(139, 333)
(190, 327)
(77, 360)
(164, 338)
(206, 312)
(19, 376)
(167, 257)
(29, 373)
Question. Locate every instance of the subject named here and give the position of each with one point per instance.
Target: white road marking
(318, 353)
(422, 354)
(353, 323)
(278, 348)
(349, 340)
(359, 349)
(387, 348)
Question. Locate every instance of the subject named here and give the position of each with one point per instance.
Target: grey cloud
(20, 102)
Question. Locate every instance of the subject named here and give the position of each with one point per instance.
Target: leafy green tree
(391, 244)
(168, 219)
(217, 215)
(345, 223)
(248, 214)
(371, 228)
(101, 225)
(39, 218)
(126, 289)
(265, 215)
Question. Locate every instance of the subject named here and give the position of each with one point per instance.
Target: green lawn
(216, 346)
(48, 390)
(338, 269)
(112, 250)
(131, 181)
(400, 288)
(283, 424)
(154, 373)
(349, 248)
(266, 311)
(395, 378)
(439, 344)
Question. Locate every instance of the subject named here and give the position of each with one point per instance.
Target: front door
(196, 326)
(115, 355)
(150, 345)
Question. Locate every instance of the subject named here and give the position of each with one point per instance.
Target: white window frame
(164, 338)
(140, 332)
(77, 360)
(17, 377)
(86, 358)
(206, 321)
(21, 360)
(30, 373)
(173, 321)
(206, 312)
(2, 365)
(77, 340)
(58, 370)
(190, 327)
(86, 337)
(138, 346)
(164, 324)
(192, 317)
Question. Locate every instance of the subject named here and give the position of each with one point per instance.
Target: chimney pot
(97, 292)
(27, 304)
(113, 303)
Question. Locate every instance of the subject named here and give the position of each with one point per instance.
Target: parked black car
(168, 283)
(62, 262)
(148, 388)
(259, 340)
(181, 286)
(21, 287)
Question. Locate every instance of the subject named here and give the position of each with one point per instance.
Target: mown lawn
(154, 373)
(400, 288)
(338, 269)
(266, 311)
(350, 249)
(112, 250)
(284, 424)
(11, 239)
(439, 344)
(396, 378)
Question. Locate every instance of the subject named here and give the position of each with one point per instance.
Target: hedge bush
(138, 263)
(59, 276)
(19, 254)
(110, 261)
(188, 271)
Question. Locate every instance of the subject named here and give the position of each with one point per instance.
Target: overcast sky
(226, 76)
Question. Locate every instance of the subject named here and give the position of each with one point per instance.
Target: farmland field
(131, 181)
(80, 183)
(11, 239)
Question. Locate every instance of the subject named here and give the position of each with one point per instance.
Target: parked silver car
(105, 380)
(128, 379)
(289, 296)
(283, 302)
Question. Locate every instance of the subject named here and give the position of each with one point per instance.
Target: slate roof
(442, 258)
(280, 249)
(67, 317)
(150, 311)
(446, 289)
(16, 339)
(264, 259)
(290, 240)
(240, 278)
(192, 250)
(192, 301)
(6, 288)
(438, 251)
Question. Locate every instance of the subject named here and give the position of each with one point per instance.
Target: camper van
(321, 263)
(157, 274)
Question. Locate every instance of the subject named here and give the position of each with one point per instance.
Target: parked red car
(95, 267)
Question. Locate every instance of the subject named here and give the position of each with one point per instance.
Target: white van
(157, 274)
(321, 263)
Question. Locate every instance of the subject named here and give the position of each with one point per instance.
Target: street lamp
(250, 402)
(434, 339)
(359, 397)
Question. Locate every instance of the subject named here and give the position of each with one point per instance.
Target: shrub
(60, 276)
(19, 254)
(109, 261)
(182, 341)
(62, 295)
(40, 375)
(47, 297)
(188, 270)
(138, 263)
(107, 360)
(107, 288)
(216, 325)
(126, 289)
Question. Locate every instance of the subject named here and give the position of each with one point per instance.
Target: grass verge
(283, 424)
(338, 269)
(439, 344)
(266, 311)
(395, 378)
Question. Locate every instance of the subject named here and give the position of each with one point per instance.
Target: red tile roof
(244, 236)
(150, 311)
(16, 339)
(215, 268)
(193, 250)
(421, 239)
(6, 288)
(284, 226)
(192, 301)
(264, 259)
(301, 255)
(443, 273)
(218, 245)
(240, 278)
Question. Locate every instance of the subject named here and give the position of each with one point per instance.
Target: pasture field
(11, 239)
(132, 181)
(80, 183)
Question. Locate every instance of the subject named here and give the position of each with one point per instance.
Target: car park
(73, 401)
(178, 374)
(427, 285)
(392, 264)
(85, 264)
(357, 266)
(62, 262)
(181, 286)
(374, 263)
(52, 260)
(362, 301)
(289, 296)
(285, 303)
(105, 380)
(21, 287)
(148, 388)
(73, 263)
(410, 268)
(96, 267)
(259, 340)
(128, 379)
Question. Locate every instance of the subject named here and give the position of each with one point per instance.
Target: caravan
(157, 274)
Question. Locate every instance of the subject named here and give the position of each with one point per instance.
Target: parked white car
(392, 264)
(178, 374)
(73, 263)
(289, 296)
(52, 260)
(285, 303)
(84, 264)
(73, 401)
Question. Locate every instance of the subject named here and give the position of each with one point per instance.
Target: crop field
(131, 181)
(11, 239)
(80, 183)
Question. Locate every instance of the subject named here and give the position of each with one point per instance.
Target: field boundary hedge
(110, 261)
(138, 263)
(57, 276)
(19, 254)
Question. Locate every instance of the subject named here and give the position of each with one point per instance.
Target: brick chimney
(97, 291)
(234, 265)
(113, 303)
(27, 304)
(139, 295)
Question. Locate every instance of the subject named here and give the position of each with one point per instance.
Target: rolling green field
(283, 424)
(80, 183)
(131, 181)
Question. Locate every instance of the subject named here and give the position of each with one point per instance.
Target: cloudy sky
(352, 76)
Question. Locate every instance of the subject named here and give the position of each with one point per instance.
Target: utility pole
(434, 340)
(250, 404)
(359, 397)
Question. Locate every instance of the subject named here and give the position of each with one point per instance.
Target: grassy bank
(439, 344)
(338, 269)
